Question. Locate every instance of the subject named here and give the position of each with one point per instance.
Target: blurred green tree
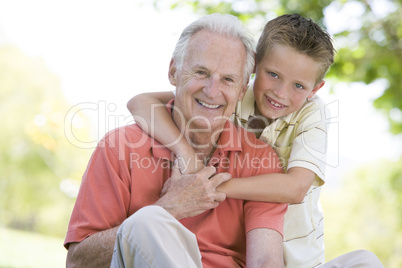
(367, 213)
(369, 46)
(38, 164)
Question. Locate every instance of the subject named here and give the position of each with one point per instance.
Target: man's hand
(186, 165)
(190, 195)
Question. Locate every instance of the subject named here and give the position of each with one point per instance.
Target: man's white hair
(224, 25)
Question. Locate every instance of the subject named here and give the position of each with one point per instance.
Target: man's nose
(212, 87)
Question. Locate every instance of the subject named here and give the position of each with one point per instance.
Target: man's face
(284, 79)
(210, 82)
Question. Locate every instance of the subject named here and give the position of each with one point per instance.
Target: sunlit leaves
(368, 213)
(35, 156)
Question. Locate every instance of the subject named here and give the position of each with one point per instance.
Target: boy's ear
(316, 88)
(172, 72)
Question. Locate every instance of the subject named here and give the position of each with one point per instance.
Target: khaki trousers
(152, 237)
(355, 259)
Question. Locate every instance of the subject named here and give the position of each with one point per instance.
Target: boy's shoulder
(316, 100)
(312, 113)
(313, 105)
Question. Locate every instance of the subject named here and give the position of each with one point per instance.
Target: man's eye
(201, 72)
(273, 74)
(228, 79)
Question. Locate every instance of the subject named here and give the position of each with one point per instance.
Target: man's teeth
(275, 104)
(208, 105)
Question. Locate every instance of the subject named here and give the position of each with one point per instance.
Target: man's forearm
(94, 251)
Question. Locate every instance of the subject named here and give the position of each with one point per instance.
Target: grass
(30, 250)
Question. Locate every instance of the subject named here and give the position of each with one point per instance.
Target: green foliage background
(366, 213)
(36, 160)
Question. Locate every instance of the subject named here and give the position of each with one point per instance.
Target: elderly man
(191, 225)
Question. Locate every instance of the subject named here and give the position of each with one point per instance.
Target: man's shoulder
(130, 135)
(250, 143)
(256, 157)
(132, 131)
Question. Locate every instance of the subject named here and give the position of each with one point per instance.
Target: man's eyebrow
(198, 66)
(235, 77)
(232, 76)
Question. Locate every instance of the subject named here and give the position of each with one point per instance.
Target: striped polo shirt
(300, 141)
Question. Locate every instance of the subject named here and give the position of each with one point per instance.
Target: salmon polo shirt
(128, 169)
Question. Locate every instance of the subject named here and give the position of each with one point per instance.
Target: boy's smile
(285, 78)
(275, 104)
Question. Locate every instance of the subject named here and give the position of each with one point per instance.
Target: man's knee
(369, 257)
(143, 219)
(133, 237)
(357, 258)
(364, 258)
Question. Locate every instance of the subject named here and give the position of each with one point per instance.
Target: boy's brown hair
(301, 34)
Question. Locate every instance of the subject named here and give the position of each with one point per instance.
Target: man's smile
(210, 106)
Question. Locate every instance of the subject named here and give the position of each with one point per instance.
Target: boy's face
(284, 79)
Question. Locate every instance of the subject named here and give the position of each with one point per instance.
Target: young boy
(281, 108)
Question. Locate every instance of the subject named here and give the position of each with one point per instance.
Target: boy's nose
(280, 90)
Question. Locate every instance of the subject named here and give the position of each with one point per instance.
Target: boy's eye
(297, 85)
(273, 74)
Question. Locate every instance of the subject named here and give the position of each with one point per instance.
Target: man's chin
(205, 125)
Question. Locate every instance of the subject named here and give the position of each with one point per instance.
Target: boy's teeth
(208, 105)
(276, 104)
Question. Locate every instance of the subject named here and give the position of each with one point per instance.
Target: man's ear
(172, 72)
(255, 62)
(316, 88)
(243, 91)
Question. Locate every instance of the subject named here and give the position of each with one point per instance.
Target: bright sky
(104, 52)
